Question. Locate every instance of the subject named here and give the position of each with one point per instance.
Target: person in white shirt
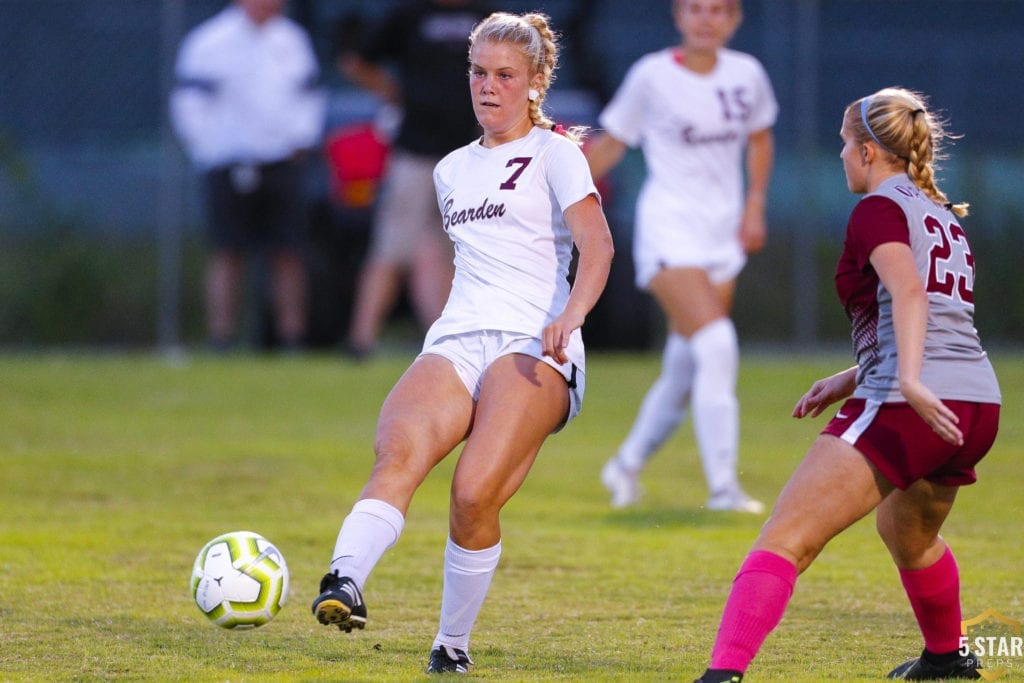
(694, 110)
(246, 106)
(503, 367)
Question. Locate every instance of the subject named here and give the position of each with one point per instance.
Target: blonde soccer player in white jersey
(920, 408)
(503, 367)
(701, 113)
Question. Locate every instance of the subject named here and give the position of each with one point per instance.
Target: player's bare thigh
(833, 487)
(522, 400)
(426, 415)
(689, 299)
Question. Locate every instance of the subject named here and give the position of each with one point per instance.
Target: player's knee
(716, 343)
(716, 354)
(471, 507)
(397, 459)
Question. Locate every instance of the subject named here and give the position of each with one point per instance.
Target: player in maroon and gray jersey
(954, 365)
(921, 405)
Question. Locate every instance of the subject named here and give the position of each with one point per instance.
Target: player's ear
(537, 82)
(867, 153)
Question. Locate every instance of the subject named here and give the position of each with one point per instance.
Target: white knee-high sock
(467, 578)
(372, 527)
(715, 408)
(663, 408)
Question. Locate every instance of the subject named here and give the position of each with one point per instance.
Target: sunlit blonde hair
(898, 121)
(532, 34)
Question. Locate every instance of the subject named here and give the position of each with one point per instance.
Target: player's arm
(760, 158)
(368, 75)
(894, 263)
(589, 228)
(603, 152)
(825, 392)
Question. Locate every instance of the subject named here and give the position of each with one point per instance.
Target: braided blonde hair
(533, 35)
(898, 120)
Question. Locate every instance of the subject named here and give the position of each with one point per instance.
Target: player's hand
(753, 230)
(934, 412)
(825, 392)
(555, 337)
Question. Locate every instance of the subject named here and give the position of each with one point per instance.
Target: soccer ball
(240, 580)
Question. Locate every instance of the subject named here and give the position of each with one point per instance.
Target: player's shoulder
(442, 168)
(553, 144)
(654, 61)
(555, 136)
(734, 59)
(448, 159)
(901, 190)
(874, 207)
(877, 219)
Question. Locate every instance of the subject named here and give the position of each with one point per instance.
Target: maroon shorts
(904, 448)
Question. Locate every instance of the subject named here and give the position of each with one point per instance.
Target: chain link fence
(100, 221)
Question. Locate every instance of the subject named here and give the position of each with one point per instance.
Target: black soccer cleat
(720, 676)
(452, 660)
(340, 603)
(921, 669)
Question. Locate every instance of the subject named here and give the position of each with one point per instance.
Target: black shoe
(340, 602)
(444, 659)
(720, 676)
(920, 669)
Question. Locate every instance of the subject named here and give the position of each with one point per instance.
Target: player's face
(499, 84)
(706, 25)
(854, 164)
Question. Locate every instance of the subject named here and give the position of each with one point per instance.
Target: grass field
(117, 469)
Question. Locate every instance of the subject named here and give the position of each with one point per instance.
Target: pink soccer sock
(760, 593)
(934, 594)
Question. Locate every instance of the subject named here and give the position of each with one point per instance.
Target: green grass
(117, 469)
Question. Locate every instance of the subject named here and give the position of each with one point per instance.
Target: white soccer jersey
(693, 129)
(502, 207)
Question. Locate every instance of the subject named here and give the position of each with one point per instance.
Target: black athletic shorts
(256, 205)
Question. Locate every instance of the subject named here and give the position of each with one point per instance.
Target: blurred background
(101, 221)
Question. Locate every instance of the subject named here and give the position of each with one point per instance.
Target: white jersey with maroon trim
(955, 365)
(693, 130)
(502, 207)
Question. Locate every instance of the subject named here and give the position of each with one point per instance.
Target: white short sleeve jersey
(693, 130)
(502, 207)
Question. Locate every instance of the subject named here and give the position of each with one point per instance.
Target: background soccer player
(693, 109)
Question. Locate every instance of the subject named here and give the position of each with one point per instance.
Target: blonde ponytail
(898, 121)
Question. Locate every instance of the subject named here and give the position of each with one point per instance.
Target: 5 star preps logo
(996, 640)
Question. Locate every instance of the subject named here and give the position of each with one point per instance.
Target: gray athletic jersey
(955, 366)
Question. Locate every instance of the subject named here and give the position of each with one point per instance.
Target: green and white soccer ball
(240, 580)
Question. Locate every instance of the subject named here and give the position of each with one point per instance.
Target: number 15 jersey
(955, 366)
